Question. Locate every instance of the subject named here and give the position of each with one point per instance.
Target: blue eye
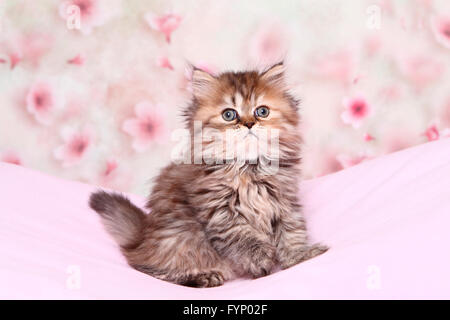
(229, 114)
(262, 112)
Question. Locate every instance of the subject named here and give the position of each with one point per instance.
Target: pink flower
(441, 30)
(111, 165)
(92, 13)
(146, 127)
(114, 176)
(77, 60)
(14, 59)
(29, 47)
(41, 102)
(11, 157)
(166, 23)
(75, 146)
(368, 137)
(432, 133)
(356, 110)
(164, 62)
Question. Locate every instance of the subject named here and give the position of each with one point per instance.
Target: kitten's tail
(122, 219)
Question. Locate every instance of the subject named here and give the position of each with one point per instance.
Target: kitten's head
(244, 115)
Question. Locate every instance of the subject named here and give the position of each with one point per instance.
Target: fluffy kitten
(226, 214)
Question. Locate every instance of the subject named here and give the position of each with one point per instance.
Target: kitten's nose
(249, 124)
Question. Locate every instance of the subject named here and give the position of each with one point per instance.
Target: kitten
(222, 216)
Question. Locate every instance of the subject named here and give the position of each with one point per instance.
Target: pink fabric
(387, 221)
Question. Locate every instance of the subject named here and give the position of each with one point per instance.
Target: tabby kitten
(226, 214)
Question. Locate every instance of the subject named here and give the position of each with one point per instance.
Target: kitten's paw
(303, 254)
(205, 280)
(262, 260)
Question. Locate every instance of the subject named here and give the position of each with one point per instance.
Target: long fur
(211, 222)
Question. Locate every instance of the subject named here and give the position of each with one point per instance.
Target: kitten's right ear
(203, 83)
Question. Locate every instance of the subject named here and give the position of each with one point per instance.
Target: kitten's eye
(262, 112)
(229, 115)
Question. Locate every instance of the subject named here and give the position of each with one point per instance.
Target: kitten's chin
(248, 148)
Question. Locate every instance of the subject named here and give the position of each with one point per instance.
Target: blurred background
(91, 90)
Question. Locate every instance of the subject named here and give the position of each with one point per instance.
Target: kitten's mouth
(250, 133)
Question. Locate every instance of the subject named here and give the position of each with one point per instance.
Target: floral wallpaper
(91, 90)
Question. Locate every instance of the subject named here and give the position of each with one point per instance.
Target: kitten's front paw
(205, 280)
(262, 260)
(302, 254)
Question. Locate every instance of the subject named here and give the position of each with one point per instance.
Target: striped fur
(212, 222)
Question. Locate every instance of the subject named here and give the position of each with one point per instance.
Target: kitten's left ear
(275, 74)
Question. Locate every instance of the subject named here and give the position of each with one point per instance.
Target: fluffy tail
(123, 220)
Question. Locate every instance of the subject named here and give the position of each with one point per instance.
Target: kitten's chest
(255, 201)
(241, 194)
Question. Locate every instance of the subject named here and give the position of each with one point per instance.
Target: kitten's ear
(274, 75)
(203, 83)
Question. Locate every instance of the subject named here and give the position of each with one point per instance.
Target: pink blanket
(387, 222)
